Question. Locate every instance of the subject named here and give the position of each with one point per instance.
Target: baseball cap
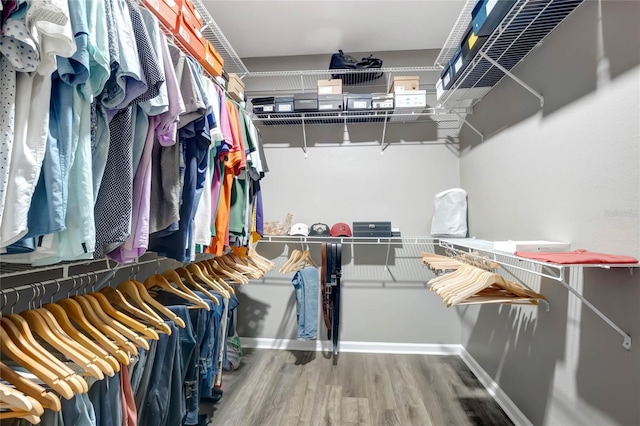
(319, 229)
(299, 229)
(341, 229)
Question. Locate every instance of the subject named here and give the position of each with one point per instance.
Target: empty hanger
(134, 287)
(186, 275)
(136, 325)
(118, 298)
(182, 291)
(47, 399)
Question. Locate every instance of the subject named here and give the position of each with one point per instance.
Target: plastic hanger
(184, 273)
(118, 298)
(65, 323)
(133, 287)
(18, 329)
(75, 312)
(128, 333)
(182, 291)
(38, 324)
(46, 399)
(44, 373)
(136, 325)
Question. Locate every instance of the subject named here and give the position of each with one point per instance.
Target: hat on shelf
(319, 230)
(341, 229)
(299, 229)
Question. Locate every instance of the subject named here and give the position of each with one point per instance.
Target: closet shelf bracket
(384, 134)
(513, 77)
(464, 120)
(304, 138)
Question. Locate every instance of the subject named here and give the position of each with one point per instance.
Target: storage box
(187, 6)
(235, 87)
(264, 105)
(191, 38)
(284, 103)
(487, 15)
(403, 83)
(212, 61)
(458, 65)
(358, 102)
(531, 246)
(166, 11)
(330, 87)
(334, 102)
(471, 44)
(445, 76)
(411, 99)
(305, 102)
(382, 101)
(372, 229)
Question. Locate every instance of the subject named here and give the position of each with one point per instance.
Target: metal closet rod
(111, 272)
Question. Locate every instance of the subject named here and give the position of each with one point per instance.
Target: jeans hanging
(305, 283)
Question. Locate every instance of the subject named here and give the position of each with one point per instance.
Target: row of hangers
(298, 260)
(100, 331)
(470, 279)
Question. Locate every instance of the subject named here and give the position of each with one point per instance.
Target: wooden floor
(282, 388)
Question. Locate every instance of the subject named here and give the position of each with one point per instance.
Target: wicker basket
(278, 228)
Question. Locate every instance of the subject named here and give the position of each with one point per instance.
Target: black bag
(341, 61)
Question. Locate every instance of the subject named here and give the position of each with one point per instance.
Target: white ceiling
(258, 28)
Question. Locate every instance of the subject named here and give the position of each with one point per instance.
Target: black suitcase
(372, 229)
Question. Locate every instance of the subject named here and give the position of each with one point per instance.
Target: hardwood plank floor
(287, 388)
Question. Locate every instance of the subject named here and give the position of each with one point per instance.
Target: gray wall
(567, 172)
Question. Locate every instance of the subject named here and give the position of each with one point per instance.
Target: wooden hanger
(117, 298)
(64, 323)
(293, 257)
(301, 262)
(136, 325)
(256, 257)
(148, 301)
(68, 348)
(243, 262)
(18, 329)
(128, 333)
(198, 274)
(114, 334)
(215, 267)
(75, 312)
(46, 399)
(18, 401)
(209, 272)
(31, 418)
(184, 273)
(44, 373)
(182, 291)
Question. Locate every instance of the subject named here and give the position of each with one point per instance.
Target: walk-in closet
(279, 213)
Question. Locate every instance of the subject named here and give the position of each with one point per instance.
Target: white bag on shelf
(450, 216)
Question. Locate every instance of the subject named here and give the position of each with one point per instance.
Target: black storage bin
(359, 102)
(471, 44)
(487, 15)
(264, 105)
(331, 102)
(372, 229)
(284, 104)
(305, 102)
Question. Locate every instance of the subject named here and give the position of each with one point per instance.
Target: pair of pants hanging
(306, 283)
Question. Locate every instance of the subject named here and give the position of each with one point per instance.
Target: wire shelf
(272, 83)
(524, 28)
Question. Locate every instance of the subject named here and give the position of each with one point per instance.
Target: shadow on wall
(608, 376)
(567, 67)
(520, 346)
(251, 314)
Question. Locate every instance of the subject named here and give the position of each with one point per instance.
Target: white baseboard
(507, 405)
(358, 347)
(511, 410)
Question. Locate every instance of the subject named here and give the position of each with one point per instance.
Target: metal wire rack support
(552, 271)
(514, 77)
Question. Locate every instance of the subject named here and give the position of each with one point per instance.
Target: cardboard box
(411, 99)
(403, 83)
(235, 88)
(191, 38)
(212, 61)
(330, 87)
(166, 11)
